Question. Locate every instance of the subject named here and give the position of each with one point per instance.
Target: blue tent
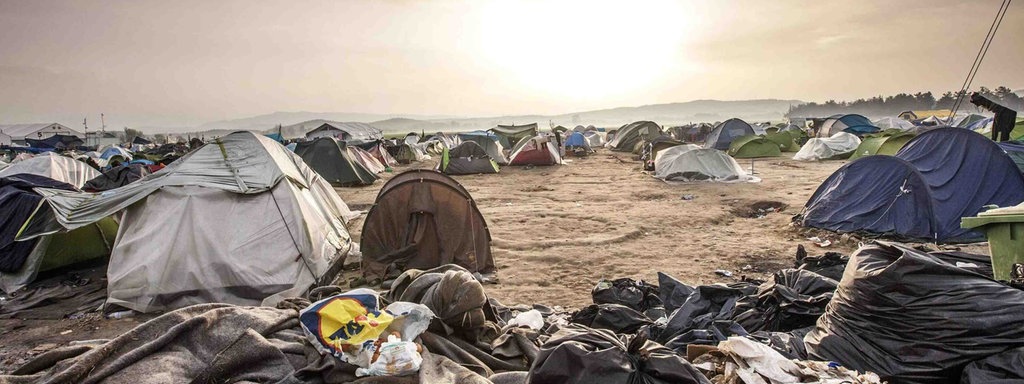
(937, 178)
(275, 136)
(841, 123)
(725, 132)
(1014, 149)
(861, 130)
(576, 139)
(876, 194)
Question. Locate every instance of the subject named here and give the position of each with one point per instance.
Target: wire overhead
(998, 20)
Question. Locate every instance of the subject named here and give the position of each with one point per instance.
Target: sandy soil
(558, 230)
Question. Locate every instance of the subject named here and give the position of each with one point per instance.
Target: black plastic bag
(613, 317)
(794, 299)
(1003, 368)
(911, 317)
(705, 317)
(789, 344)
(830, 265)
(672, 293)
(577, 354)
(637, 295)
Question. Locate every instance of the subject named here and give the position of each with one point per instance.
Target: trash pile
(887, 313)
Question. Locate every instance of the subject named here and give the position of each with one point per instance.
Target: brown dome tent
(423, 219)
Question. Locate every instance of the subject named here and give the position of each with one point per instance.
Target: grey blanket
(216, 343)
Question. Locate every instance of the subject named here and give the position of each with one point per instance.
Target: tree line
(893, 105)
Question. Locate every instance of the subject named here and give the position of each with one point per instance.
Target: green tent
(329, 158)
(86, 243)
(784, 140)
(749, 146)
(884, 143)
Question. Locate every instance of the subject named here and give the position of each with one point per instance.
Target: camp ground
(493, 192)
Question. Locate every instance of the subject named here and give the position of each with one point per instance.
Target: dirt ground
(558, 230)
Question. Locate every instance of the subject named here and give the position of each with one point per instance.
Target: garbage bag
(830, 265)
(795, 298)
(789, 344)
(613, 317)
(705, 317)
(673, 293)
(912, 317)
(637, 295)
(1001, 368)
(577, 354)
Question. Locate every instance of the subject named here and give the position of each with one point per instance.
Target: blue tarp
(576, 140)
(861, 130)
(1015, 149)
(921, 193)
(115, 151)
(275, 136)
(979, 124)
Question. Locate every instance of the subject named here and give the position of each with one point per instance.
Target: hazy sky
(181, 63)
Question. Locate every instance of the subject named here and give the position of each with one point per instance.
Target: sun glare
(585, 50)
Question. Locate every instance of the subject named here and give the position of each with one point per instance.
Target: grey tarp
(60, 168)
(511, 134)
(239, 219)
(688, 163)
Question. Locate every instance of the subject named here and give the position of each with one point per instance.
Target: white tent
(840, 144)
(893, 123)
(240, 220)
(688, 162)
(60, 168)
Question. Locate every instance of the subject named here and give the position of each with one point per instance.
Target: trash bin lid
(1014, 214)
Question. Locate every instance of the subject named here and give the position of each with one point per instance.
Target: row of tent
(243, 217)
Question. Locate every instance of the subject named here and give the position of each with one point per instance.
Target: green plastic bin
(1004, 228)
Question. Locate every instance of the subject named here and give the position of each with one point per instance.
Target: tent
(968, 120)
(1014, 149)
(60, 168)
(57, 141)
(331, 159)
(380, 153)
(511, 134)
(116, 177)
(423, 219)
(892, 123)
(237, 221)
(115, 152)
(22, 261)
(932, 121)
(884, 143)
(412, 138)
(851, 123)
(785, 140)
(627, 137)
(745, 147)
(840, 146)
(577, 144)
(725, 132)
(365, 159)
(593, 139)
(688, 162)
(922, 192)
(408, 153)
(489, 142)
(537, 150)
(652, 148)
(467, 158)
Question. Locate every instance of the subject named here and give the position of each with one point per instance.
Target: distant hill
(664, 114)
(264, 122)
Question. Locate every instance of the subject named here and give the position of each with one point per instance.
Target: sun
(584, 49)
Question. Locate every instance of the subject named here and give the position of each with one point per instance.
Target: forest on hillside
(893, 105)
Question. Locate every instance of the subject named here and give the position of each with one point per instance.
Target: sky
(182, 63)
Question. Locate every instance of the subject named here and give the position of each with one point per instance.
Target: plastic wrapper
(394, 358)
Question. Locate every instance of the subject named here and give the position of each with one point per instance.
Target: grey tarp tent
(60, 168)
(466, 159)
(424, 219)
(240, 220)
(332, 160)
